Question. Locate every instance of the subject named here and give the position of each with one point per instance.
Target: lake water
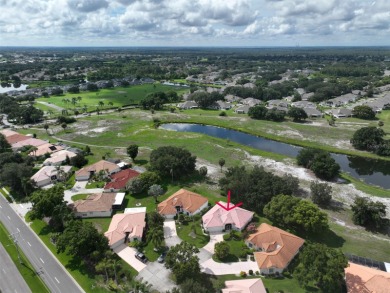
(371, 171)
(12, 88)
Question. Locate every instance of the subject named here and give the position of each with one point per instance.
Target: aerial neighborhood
(175, 171)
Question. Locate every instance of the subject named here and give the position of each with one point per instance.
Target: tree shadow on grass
(46, 230)
(141, 162)
(77, 264)
(229, 258)
(328, 238)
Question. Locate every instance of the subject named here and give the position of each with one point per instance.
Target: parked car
(162, 257)
(141, 257)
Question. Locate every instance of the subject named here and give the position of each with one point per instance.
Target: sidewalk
(170, 234)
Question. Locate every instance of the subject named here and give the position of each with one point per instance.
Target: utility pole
(14, 239)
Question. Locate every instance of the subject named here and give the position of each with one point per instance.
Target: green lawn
(27, 271)
(79, 196)
(73, 265)
(95, 184)
(192, 233)
(236, 248)
(101, 224)
(119, 96)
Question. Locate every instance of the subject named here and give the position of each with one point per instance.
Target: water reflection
(371, 171)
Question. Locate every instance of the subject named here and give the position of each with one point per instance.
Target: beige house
(126, 227)
(58, 158)
(98, 205)
(244, 286)
(102, 166)
(182, 201)
(51, 174)
(275, 248)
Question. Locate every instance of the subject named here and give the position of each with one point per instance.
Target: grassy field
(119, 96)
(236, 247)
(192, 233)
(27, 271)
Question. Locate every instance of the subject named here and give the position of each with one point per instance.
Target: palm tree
(64, 112)
(74, 101)
(156, 236)
(110, 103)
(85, 108)
(101, 103)
(79, 99)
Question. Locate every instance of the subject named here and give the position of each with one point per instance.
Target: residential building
(244, 109)
(339, 112)
(219, 219)
(98, 205)
(51, 174)
(250, 102)
(304, 104)
(28, 142)
(342, 100)
(126, 227)
(46, 148)
(188, 105)
(106, 167)
(182, 201)
(277, 104)
(275, 248)
(361, 279)
(244, 286)
(59, 157)
(312, 112)
(120, 179)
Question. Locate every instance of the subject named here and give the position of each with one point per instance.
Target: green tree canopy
(172, 161)
(319, 161)
(297, 114)
(256, 187)
(132, 151)
(321, 193)
(368, 213)
(300, 215)
(183, 262)
(367, 138)
(363, 112)
(222, 249)
(5, 147)
(45, 200)
(322, 265)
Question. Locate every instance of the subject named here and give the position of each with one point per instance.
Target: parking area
(158, 276)
(128, 255)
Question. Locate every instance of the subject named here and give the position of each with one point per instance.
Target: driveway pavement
(128, 255)
(79, 188)
(157, 275)
(214, 238)
(215, 268)
(170, 234)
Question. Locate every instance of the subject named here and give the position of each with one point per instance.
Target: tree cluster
(322, 265)
(143, 182)
(206, 100)
(297, 114)
(172, 162)
(368, 213)
(321, 193)
(363, 112)
(256, 187)
(297, 214)
(21, 114)
(371, 139)
(183, 262)
(260, 112)
(319, 161)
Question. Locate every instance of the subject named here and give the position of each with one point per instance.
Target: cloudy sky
(194, 22)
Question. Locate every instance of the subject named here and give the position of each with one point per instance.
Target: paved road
(11, 279)
(52, 273)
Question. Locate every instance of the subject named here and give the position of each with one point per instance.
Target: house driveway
(128, 255)
(79, 188)
(170, 234)
(215, 268)
(158, 276)
(214, 238)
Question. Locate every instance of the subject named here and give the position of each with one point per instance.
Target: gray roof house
(242, 109)
(304, 104)
(250, 102)
(188, 105)
(222, 105)
(277, 104)
(342, 100)
(313, 112)
(231, 98)
(340, 112)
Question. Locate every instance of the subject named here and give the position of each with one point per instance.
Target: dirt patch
(213, 171)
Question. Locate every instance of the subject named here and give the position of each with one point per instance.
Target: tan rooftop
(278, 246)
(97, 167)
(244, 286)
(189, 201)
(15, 138)
(44, 149)
(8, 132)
(99, 202)
(133, 223)
(361, 279)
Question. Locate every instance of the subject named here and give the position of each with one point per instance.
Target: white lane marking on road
(8, 218)
(28, 243)
(57, 280)
(41, 260)
(18, 230)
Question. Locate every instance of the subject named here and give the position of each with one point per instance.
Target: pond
(375, 172)
(5, 89)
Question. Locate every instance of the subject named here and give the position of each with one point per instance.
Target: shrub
(223, 113)
(243, 274)
(251, 272)
(257, 273)
(226, 237)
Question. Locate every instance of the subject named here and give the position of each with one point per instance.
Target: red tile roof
(120, 179)
(189, 201)
(361, 279)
